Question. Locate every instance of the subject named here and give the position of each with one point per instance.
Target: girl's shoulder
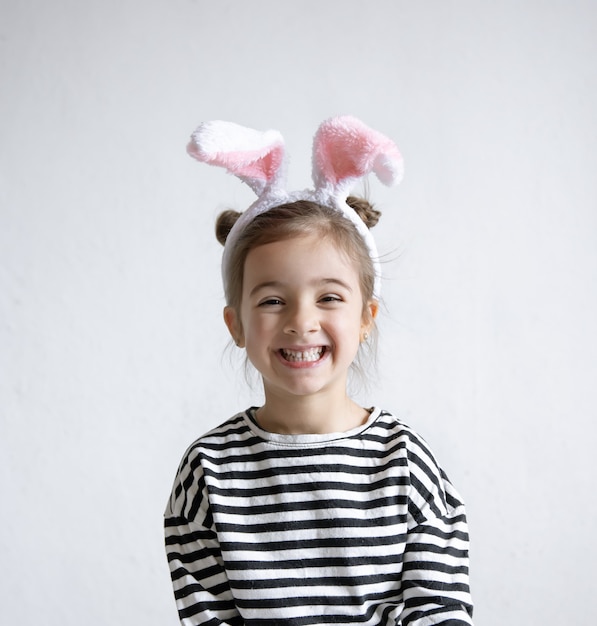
(234, 430)
(432, 489)
(218, 442)
(389, 427)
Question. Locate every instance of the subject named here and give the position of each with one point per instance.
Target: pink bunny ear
(345, 149)
(255, 157)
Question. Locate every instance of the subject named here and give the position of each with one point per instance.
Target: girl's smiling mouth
(308, 355)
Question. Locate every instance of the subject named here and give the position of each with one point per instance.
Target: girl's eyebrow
(265, 285)
(277, 284)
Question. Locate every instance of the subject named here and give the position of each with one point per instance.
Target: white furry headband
(344, 150)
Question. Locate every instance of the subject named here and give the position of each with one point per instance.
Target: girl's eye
(271, 302)
(331, 298)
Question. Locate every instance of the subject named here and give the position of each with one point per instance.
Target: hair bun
(226, 220)
(365, 210)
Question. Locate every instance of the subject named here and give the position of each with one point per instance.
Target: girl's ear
(234, 326)
(369, 315)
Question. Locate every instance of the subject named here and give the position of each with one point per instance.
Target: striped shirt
(360, 527)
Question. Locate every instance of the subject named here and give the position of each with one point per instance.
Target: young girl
(310, 509)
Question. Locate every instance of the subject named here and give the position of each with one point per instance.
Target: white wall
(112, 349)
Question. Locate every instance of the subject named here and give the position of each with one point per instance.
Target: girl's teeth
(306, 355)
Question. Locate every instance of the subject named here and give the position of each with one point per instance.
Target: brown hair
(296, 219)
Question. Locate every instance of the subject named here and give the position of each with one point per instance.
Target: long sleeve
(435, 567)
(201, 588)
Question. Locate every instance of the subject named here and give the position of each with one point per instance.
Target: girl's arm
(201, 587)
(435, 567)
(435, 574)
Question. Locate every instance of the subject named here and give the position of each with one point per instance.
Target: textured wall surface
(113, 353)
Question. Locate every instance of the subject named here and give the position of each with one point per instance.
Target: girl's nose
(301, 320)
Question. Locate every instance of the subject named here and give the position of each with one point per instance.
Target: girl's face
(302, 316)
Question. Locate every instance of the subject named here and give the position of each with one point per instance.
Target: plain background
(113, 353)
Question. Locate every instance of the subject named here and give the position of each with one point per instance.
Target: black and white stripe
(348, 528)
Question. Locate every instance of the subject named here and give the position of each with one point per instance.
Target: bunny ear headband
(344, 150)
